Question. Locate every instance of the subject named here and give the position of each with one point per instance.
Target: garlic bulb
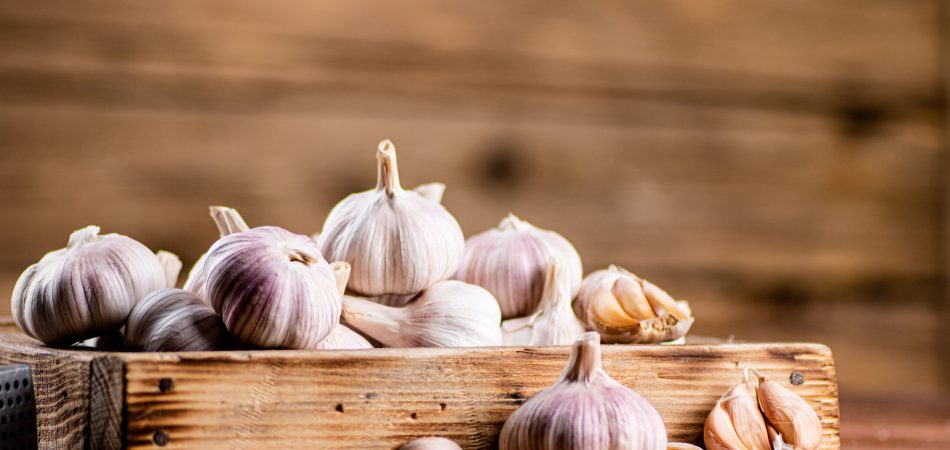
(627, 309)
(272, 288)
(228, 221)
(343, 338)
(553, 323)
(735, 423)
(511, 261)
(767, 416)
(789, 418)
(447, 314)
(584, 410)
(175, 320)
(398, 241)
(430, 443)
(86, 289)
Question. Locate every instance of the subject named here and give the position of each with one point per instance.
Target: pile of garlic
(390, 267)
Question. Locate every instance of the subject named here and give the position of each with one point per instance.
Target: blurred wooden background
(781, 164)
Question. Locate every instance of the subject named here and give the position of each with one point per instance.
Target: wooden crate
(371, 399)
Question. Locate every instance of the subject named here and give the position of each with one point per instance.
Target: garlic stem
(172, 266)
(556, 295)
(341, 271)
(585, 361)
(381, 322)
(512, 222)
(431, 191)
(227, 220)
(83, 236)
(388, 172)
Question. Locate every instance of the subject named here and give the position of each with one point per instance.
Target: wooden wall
(779, 163)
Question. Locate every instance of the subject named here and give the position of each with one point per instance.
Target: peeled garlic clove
(86, 289)
(447, 314)
(735, 423)
(789, 414)
(172, 266)
(272, 288)
(175, 320)
(511, 262)
(430, 443)
(397, 241)
(343, 338)
(584, 410)
(228, 221)
(624, 308)
(553, 323)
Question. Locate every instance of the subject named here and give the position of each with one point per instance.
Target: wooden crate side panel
(382, 398)
(61, 389)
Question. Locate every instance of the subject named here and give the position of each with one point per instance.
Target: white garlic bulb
(228, 221)
(584, 410)
(343, 338)
(447, 314)
(624, 308)
(272, 288)
(511, 261)
(430, 443)
(86, 289)
(175, 320)
(398, 241)
(553, 323)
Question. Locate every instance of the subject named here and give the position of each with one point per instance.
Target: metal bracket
(17, 408)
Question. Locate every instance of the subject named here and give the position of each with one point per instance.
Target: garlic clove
(228, 221)
(681, 446)
(735, 422)
(719, 432)
(630, 296)
(447, 314)
(175, 320)
(343, 338)
(431, 191)
(172, 266)
(430, 443)
(397, 241)
(611, 302)
(584, 410)
(272, 288)
(553, 323)
(789, 414)
(86, 289)
(511, 261)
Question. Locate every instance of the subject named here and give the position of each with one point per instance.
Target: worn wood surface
(382, 398)
(757, 160)
(106, 403)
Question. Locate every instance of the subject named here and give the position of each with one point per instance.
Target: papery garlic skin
(397, 241)
(175, 320)
(430, 443)
(272, 288)
(625, 308)
(447, 314)
(553, 323)
(86, 289)
(511, 262)
(735, 422)
(789, 414)
(584, 410)
(228, 221)
(343, 338)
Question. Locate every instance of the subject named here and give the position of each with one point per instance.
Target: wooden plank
(61, 387)
(384, 397)
(106, 402)
(944, 350)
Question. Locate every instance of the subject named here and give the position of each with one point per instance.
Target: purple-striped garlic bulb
(86, 289)
(397, 241)
(511, 262)
(343, 338)
(430, 443)
(447, 314)
(273, 289)
(553, 322)
(625, 308)
(228, 221)
(584, 410)
(175, 320)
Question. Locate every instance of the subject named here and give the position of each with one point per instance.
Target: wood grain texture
(61, 387)
(106, 402)
(385, 397)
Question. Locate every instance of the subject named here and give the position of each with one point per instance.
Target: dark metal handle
(17, 408)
